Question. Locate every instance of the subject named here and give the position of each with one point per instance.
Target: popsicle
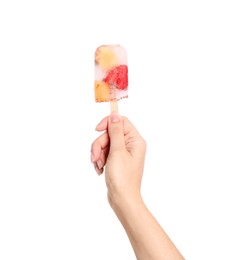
(111, 74)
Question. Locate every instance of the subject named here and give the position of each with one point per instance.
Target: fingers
(99, 152)
(119, 133)
(103, 125)
(114, 125)
(98, 171)
(127, 125)
(98, 145)
(116, 132)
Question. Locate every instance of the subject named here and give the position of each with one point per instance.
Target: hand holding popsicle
(121, 150)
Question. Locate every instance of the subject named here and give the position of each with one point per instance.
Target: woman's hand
(120, 150)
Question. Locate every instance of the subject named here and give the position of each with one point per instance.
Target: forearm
(148, 239)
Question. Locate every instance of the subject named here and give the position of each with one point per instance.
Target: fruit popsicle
(111, 73)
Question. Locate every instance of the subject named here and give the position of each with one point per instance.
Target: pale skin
(119, 153)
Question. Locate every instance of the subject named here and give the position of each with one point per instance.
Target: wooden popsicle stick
(114, 106)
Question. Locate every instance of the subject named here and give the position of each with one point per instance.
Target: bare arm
(121, 151)
(147, 237)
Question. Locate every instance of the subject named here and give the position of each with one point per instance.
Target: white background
(189, 80)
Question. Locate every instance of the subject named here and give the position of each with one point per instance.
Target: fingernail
(97, 169)
(115, 118)
(99, 164)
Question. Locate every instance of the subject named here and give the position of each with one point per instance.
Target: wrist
(122, 203)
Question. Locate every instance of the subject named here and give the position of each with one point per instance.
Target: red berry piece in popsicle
(118, 77)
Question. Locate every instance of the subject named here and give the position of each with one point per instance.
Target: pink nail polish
(99, 164)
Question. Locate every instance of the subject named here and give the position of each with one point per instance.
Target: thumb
(116, 132)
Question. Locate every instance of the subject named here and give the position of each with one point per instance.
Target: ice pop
(111, 73)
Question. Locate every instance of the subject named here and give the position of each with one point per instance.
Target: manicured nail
(99, 164)
(98, 171)
(115, 118)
